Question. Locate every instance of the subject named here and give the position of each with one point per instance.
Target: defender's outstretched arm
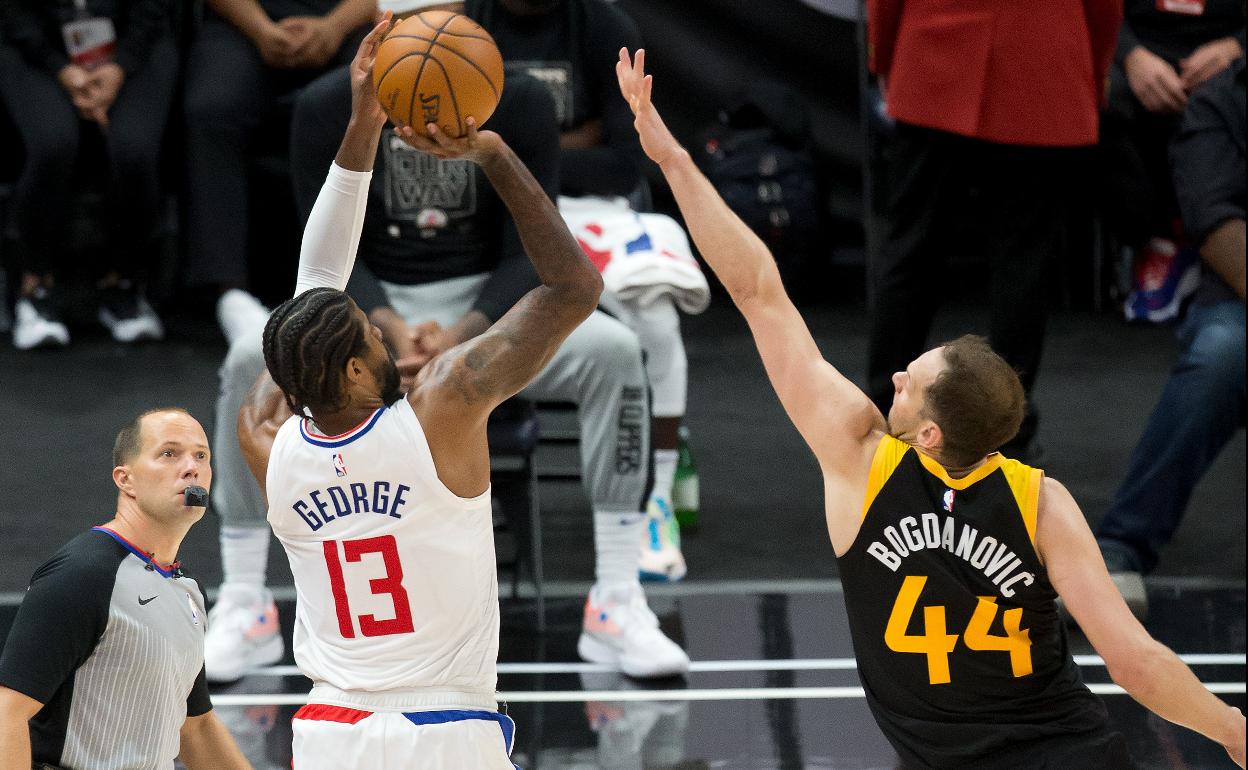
(830, 412)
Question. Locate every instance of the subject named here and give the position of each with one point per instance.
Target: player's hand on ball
(364, 104)
(475, 146)
(635, 85)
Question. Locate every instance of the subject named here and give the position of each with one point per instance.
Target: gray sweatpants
(599, 368)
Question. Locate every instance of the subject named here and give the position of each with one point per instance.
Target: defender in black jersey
(104, 664)
(952, 556)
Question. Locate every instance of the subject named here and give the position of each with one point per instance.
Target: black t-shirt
(34, 28)
(113, 645)
(960, 648)
(572, 51)
(429, 219)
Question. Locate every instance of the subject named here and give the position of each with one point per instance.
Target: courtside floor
(773, 683)
(761, 613)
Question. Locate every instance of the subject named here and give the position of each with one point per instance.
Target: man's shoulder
(88, 555)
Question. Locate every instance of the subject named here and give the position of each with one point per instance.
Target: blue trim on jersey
(353, 434)
(443, 717)
(126, 544)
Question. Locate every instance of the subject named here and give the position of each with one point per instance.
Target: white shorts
(337, 738)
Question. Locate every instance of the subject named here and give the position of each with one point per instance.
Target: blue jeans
(1199, 410)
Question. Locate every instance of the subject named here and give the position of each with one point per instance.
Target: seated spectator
(1202, 403)
(440, 259)
(572, 46)
(57, 86)
(246, 55)
(1166, 50)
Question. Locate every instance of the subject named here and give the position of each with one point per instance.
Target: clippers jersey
(397, 595)
(960, 647)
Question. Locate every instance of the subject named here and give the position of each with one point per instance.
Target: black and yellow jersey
(960, 647)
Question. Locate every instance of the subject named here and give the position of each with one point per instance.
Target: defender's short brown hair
(977, 401)
(130, 438)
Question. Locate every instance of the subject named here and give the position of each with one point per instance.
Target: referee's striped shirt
(113, 645)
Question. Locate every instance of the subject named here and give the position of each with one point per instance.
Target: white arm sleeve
(332, 235)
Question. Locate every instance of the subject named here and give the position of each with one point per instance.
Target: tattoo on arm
(493, 367)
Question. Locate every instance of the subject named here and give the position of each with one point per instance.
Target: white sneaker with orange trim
(620, 630)
(243, 633)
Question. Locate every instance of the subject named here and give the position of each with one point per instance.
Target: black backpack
(756, 155)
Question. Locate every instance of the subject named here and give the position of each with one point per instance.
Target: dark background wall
(704, 53)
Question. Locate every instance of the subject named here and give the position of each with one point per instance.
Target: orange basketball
(438, 67)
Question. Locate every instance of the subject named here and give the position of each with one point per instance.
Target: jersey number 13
(390, 583)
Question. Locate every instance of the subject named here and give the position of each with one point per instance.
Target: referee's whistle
(195, 496)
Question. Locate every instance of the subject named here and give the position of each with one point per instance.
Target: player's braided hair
(307, 343)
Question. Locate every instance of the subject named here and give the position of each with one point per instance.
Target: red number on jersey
(391, 583)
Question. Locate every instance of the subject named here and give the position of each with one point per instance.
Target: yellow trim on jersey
(888, 454)
(1025, 484)
(936, 469)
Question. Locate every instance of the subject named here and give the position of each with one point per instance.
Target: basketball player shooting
(382, 500)
(923, 513)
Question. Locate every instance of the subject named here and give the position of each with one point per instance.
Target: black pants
(52, 131)
(229, 92)
(1136, 191)
(1012, 197)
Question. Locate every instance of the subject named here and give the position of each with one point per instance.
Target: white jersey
(397, 594)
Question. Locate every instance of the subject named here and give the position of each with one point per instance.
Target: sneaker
(127, 315)
(1128, 578)
(661, 559)
(1165, 276)
(36, 323)
(620, 630)
(238, 312)
(243, 633)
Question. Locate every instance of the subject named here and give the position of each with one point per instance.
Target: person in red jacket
(991, 104)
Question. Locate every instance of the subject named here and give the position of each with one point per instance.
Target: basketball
(438, 67)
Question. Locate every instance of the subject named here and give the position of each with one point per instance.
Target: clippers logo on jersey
(947, 500)
(340, 465)
(418, 185)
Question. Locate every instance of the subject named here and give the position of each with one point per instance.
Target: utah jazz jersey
(960, 648)
(397, 595)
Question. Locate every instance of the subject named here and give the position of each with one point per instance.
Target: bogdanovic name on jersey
(321, 506)
(917, 533)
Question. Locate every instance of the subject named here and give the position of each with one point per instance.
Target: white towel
(639, 255)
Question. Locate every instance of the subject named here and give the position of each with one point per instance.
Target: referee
(104, 664)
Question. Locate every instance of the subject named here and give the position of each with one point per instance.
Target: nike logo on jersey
(143, 601)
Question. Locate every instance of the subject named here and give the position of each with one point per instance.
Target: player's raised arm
(332, 235)
(481, 373)
(1148, 670)
(831, 413)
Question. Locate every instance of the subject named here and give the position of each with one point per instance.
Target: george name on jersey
(321, 506)
(983, 552)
